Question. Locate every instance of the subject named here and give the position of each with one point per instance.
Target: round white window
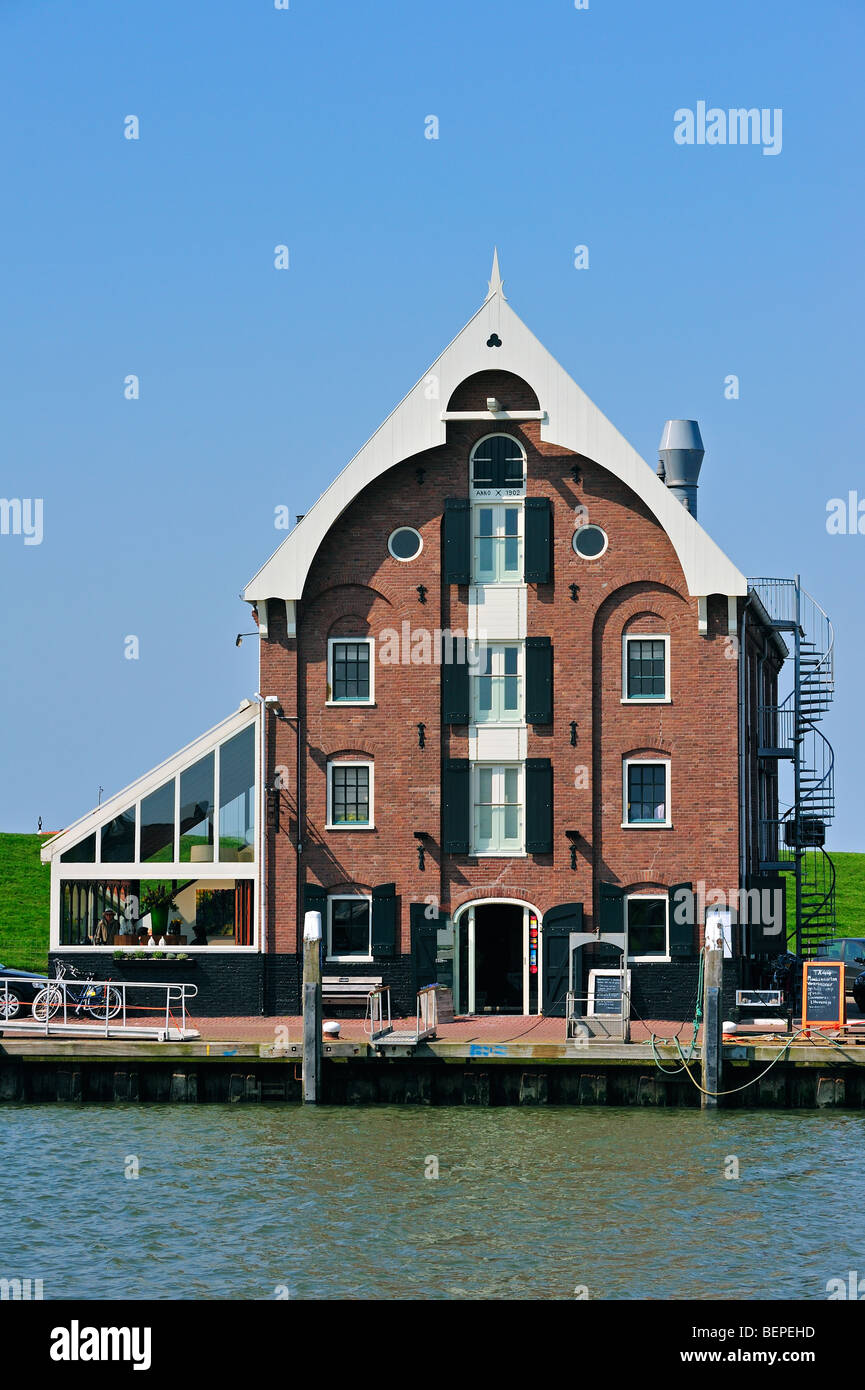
(405, 543)
(590, 542)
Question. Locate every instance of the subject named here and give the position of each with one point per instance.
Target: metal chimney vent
(680, 457)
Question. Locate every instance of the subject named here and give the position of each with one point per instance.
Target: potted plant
(158, 902)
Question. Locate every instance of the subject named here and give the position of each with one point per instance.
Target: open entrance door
(498, 958)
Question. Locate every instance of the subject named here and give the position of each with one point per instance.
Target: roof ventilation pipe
(680, 457)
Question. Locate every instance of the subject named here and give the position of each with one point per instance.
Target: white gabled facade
(568, 418)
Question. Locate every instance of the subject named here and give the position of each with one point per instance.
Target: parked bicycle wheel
(107, 1003)
(11, 1004)
(47, 1002)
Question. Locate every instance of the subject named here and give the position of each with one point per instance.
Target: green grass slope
(850, 893)
(24, 900)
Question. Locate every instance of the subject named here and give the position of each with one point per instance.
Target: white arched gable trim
(569, 419)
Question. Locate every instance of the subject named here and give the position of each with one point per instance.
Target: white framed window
(350, 791)
(648, 919)
(405, 543)
(645, 668)
(497, 543)
(350, 671)
(498, 808)
(646, 793)
(498, 685)
(497, 467)
(590, 542)
(349, 926)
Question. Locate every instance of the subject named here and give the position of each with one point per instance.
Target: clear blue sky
(306, 127)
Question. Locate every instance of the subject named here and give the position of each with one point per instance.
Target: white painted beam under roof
(572, 421)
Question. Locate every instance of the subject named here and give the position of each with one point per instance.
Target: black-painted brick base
(233, 984)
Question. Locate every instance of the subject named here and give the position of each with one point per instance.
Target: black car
(849, 949)
(19, 993)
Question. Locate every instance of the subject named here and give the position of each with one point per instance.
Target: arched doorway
(497, 955)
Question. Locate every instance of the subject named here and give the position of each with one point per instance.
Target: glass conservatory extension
(174, 858)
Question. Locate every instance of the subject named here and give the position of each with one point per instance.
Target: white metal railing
(581, 1025)
(375, 1012)
(427, 1010)
(56, 1007)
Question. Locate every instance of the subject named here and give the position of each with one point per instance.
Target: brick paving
(499, 1028)
(485, 1028)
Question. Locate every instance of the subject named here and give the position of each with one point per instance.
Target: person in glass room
(105, 928)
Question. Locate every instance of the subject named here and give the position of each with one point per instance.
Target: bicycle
(100, 1001)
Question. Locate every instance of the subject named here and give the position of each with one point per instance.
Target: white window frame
(331, 824)
(666, 824)
(370, 699)
(498, 769)
(660, 897)
(590, 526)
(492, 494)
(476, 675)
(497, 504)
(405, 559)
(204, 872)
(353, 897)
(666, 698)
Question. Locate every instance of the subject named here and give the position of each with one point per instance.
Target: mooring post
(712, 1055)
(312, 1008)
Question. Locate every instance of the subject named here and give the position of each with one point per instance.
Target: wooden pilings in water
(416, 1081)
(712, 1051)
(312, 1008)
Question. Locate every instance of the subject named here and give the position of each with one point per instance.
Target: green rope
(698, 1019)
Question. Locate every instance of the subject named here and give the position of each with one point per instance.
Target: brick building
(506, 730)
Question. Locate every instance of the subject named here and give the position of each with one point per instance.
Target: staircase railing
(793, 838)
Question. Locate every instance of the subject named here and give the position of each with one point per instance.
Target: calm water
(333, 1203)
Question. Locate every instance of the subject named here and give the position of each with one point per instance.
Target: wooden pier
(475, 1070)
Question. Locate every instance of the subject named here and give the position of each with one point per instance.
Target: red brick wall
(354, 584)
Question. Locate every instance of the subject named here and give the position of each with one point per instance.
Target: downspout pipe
(262, 851)
(743, 817)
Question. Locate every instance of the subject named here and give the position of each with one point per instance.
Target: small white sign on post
(719, 930)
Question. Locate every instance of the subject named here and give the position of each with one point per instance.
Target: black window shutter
(457, 541)
(558, 924)
(539, 680)
(424, 940)
(539, 541)
(681, 920)
(455, 806)
(539, 806)
(384, 920)
(315, 900)
(611, 908)
(455, 688)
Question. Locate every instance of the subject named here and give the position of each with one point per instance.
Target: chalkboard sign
(823, 994)
(605, 992)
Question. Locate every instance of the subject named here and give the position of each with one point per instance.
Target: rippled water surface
(333, 1203)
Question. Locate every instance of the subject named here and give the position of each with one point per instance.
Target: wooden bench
(348, 989)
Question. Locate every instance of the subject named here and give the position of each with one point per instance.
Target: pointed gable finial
(496, 286)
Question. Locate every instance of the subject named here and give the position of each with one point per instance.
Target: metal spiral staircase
(791, 840)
